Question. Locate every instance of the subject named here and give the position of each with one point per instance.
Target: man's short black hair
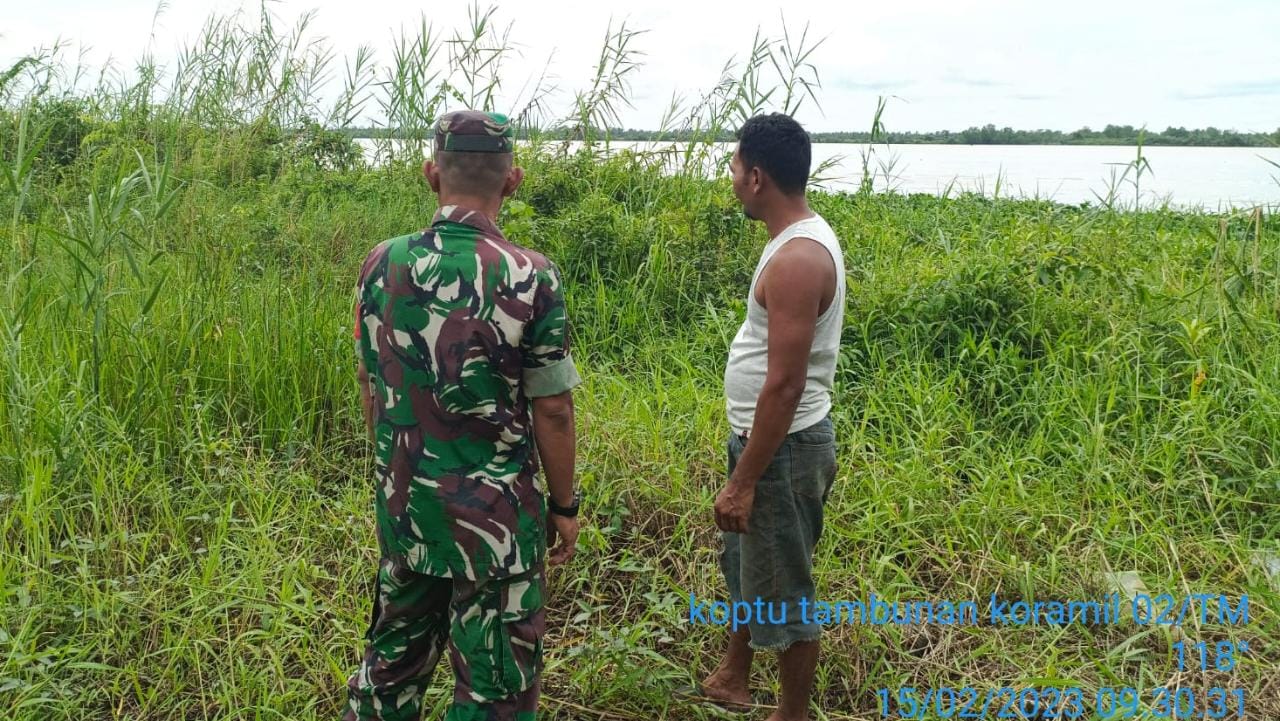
(777, 144)
(478, 174)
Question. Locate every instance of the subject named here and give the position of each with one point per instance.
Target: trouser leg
(406, 636)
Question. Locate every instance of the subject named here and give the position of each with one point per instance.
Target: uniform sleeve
(548, 366)
(371, 260)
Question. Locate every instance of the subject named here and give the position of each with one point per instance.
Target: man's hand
(567, 530)
(733, 506)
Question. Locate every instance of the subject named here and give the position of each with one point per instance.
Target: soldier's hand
(567, 531)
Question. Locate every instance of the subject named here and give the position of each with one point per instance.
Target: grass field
(1031, 400)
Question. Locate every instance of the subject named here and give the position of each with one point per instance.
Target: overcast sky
(950, 63)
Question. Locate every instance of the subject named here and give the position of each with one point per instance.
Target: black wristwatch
(566, 511)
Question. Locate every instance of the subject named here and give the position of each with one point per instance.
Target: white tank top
(749, 354)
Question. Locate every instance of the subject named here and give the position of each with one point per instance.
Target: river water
(1209, 178)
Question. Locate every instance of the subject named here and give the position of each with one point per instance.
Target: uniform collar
(466, 216)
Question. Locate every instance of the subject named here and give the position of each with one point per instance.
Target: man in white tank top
(782, 457)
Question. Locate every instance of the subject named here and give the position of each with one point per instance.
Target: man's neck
(489, 207)
(788, 212)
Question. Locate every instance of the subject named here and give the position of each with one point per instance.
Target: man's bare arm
(793, 302)
(554, 431)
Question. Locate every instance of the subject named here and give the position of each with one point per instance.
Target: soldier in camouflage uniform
(463, 344)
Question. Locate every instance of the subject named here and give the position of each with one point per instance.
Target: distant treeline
(986, 135)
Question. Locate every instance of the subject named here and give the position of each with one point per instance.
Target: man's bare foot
(777, 716)
(720, 686)
(728, 685)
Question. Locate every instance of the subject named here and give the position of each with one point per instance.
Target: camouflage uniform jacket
(459, 328)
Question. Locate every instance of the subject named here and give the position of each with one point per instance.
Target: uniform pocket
(522, 624)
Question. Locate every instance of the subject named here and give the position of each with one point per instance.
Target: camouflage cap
(473, 131)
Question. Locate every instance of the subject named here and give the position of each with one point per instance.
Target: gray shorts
(773, 561)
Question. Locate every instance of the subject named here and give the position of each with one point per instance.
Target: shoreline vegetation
(1122, 135)
(1034, 401)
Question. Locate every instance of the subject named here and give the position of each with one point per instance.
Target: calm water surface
(1209, 178)
(1212, 178)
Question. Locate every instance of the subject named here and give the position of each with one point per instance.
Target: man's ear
(515, 177)
(757, 180)
(432, 173)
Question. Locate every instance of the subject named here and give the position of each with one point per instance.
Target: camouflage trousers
(493, 629)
